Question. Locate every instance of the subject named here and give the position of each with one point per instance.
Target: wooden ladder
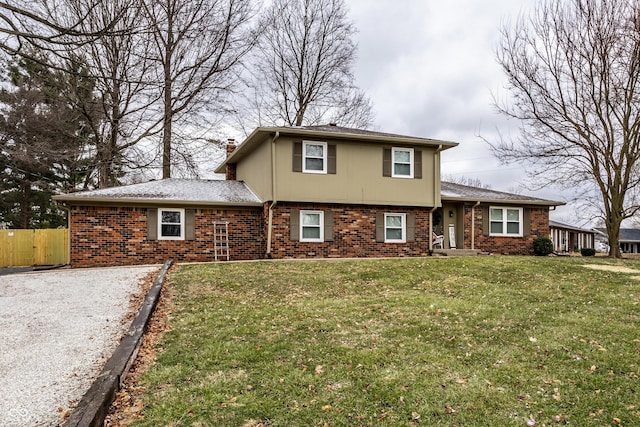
(221, 240)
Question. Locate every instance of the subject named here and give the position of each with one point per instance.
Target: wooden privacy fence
(34, 247)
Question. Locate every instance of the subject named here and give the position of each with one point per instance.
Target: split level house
(304, 192)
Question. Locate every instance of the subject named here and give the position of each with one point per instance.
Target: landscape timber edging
(94, 405)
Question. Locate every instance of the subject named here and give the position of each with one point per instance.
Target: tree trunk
(613, 222)
(168, 107)
(25, 208)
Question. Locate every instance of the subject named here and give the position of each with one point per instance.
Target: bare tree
(303, 67)
(574, 70)
(38, 25)
(465, 180)
(124, 84)
(198, 45)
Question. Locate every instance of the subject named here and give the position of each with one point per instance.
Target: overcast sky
(430, 69)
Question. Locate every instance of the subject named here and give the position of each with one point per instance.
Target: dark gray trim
(331, 159)
(328, 226)
(294, 225)
(297, 156)
(386, 161)
(417, 164)
(380, 227)
(485, 220)
(526, 221)
(152, 223)
(411, 227)
(189, 224)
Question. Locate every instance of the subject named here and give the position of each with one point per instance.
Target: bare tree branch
(198, 45)
(574, 70)
(303, 68)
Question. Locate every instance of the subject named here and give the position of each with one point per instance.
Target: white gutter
(273, 193)
(431, 226)
(473, 225)
(436, 194)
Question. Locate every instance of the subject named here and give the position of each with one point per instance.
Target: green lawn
(482, 341)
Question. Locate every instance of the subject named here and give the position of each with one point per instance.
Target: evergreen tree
(45, 145)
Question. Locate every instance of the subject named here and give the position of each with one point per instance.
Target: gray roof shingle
(174, 190)
(451, 191)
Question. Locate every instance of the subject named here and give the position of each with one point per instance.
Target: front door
(452, 226)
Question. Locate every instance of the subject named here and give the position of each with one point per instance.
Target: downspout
(431, 226)
(473, 226)
(436, 194)
(273, 193)
(64, 206)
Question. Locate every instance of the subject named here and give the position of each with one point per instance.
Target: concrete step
(457, 252)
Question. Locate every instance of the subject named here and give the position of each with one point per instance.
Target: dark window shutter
(328, 226)
(386, 162)
(526, 221)
(152, 224)
(297, 156)
(190, 224)
(331, 158)
(380, 227)
(411, 227)
(417, 164)
(294, 226)
(485, 220)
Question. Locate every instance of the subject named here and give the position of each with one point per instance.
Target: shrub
(588, 252)
(542, 246)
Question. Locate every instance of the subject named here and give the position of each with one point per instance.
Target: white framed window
(505, 221)
(395, 227)
(170, 224)
(314, 157)
(402, 162)
(311, 226)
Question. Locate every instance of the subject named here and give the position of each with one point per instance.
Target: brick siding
(354, 233)
(118, 236)
(539, 226)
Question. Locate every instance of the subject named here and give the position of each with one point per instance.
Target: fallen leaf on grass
(595, 414)
(560, 418)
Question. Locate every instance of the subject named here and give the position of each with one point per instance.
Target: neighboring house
(629, 239)
(567, 238)
(304, 192)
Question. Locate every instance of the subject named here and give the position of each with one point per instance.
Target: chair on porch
(438, 240)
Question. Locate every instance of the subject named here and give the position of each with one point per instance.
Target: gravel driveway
(57, 328)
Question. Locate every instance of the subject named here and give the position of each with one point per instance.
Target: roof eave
(503, 201)
(253, 139)
(70, 200)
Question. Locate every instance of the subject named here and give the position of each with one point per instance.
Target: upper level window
(505, 221)
(314, 157)
(311, 226)
(402, 162)
(171, 224)
(395, 227)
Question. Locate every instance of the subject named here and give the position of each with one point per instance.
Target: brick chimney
(231, 168)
